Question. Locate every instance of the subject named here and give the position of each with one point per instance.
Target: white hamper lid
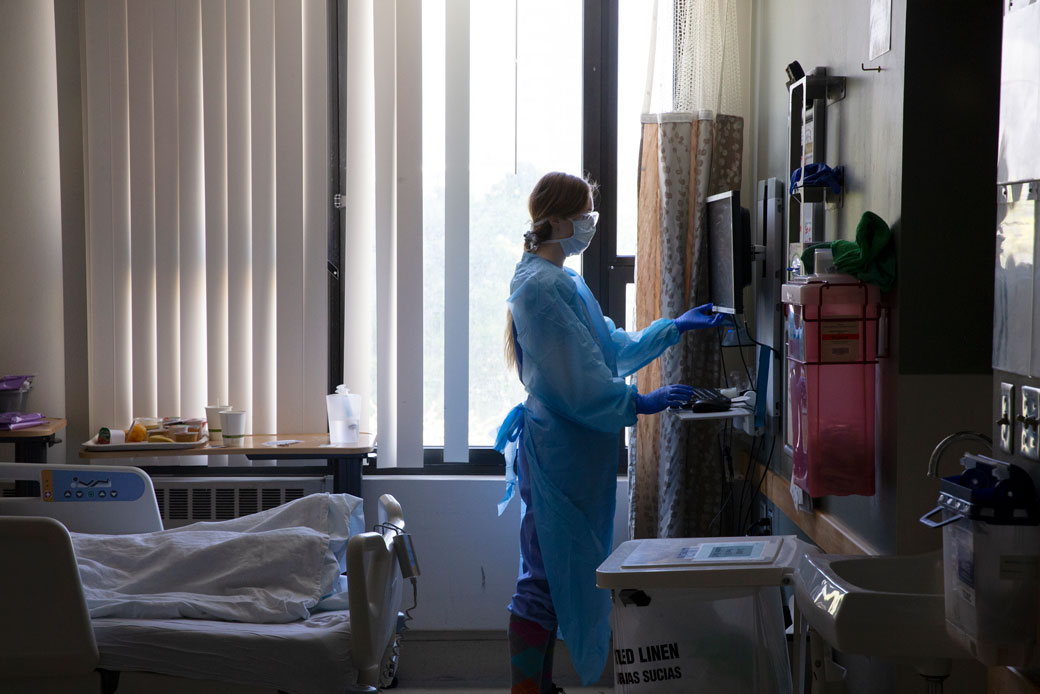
(702, 562)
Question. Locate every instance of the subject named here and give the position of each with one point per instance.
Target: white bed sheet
(274, 566)
(311, 656)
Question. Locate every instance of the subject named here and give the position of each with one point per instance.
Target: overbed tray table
(343, 462)
(31, 443)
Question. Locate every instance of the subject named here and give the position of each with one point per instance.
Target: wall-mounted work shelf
(743, 417)
(807, 101)
(822, 194)
(725, 414)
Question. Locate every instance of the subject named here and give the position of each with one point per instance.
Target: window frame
(337, 28)
(604, 271)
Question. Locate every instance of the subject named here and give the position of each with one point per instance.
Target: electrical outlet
(1028, 416)
(1007, 417)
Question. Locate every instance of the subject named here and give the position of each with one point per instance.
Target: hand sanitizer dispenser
(991, 560)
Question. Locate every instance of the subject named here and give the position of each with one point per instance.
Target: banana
(159, 438)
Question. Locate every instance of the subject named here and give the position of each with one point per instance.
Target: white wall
(867, 133)
(468, 555)
(864, 134)
(31, 320)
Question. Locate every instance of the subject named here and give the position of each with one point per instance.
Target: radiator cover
(186, 500)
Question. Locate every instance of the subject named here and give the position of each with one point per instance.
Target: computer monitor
(730, 253)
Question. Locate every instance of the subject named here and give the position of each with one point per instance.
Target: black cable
(725, 503)
(748, 331)
(722, 457)
(745, 515)
(733, 509)
(727, 484)
(751, 381)
(387, 526)
(727, 433)
(415, 603)
(739, 348)
(738, 521)
(722, 354)
(769, 462)
(758, 489)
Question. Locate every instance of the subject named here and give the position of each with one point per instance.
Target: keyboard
(707, 400)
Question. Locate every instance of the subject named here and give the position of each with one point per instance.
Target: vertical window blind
(384, 222)
(456, 230)
(206, 137)
(440, 153)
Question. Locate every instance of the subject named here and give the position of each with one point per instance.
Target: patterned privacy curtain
(688, 152)
(675, 479)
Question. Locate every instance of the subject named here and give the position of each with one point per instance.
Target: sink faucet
(940, 448)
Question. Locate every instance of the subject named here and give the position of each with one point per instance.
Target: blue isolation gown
(573, 361)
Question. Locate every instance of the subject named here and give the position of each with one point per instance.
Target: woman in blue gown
(564, 438)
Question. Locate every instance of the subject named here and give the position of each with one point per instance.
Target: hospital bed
(49, 643)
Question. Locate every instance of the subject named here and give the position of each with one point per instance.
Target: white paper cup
(213, 421)
(233, 428)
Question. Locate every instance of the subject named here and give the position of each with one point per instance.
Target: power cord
(386, 525)
(748, 331)
(726, 465)
(722, 354)
(740, 349)
(745, 483)
(758, 489)
(415, 603)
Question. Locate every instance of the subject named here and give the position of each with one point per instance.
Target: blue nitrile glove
(666, 396)
(703, 316)
(817, 174)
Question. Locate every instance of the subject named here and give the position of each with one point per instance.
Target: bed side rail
(390, 511)
(44, 626)
(374, 589)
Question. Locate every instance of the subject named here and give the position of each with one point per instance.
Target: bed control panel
(86, 485)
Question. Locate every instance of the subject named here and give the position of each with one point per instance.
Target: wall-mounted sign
(880, 27)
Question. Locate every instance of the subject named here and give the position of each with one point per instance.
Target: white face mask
(584, 229)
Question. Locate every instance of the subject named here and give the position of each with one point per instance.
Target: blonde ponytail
(510, 347)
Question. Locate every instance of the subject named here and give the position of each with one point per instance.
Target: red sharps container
(831, 326)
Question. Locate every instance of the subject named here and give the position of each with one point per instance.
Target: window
(524, 117)
(634, 18)
(510, 91)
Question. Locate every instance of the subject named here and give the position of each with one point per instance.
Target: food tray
(93, 445)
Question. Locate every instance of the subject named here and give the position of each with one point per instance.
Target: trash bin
(991, 551)
(693, 615)
(14, 393)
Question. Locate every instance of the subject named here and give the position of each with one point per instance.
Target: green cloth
(871, 257)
